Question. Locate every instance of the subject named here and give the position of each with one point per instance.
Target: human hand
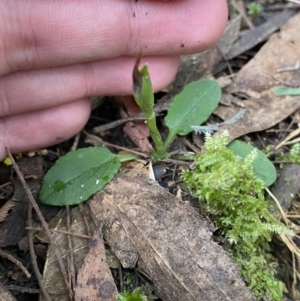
(56, 54)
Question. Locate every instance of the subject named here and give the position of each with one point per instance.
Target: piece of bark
(52, 276)
(173, 241)
(94, 281)
(287, 185)
(5, 294)
(281, 50)
(258, 35)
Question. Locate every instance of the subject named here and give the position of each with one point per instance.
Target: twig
(159, 107)
(194, 148)
(33, 255)
(23, 289)
(225, 59)
(292, 68)
(111, 125)
(87, 225)
(75, 143)
(16, 262)
(288, 138)
(43, 221)
(71, 254)
(4, 210)
(60, 231)
(278, 206)
(241, 9)
(95, 140)
(177, 162)
(121, 278)
(285, 83)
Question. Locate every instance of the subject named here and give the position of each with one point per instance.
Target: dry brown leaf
(52, 276)
(137, 130)
(94, 281)
(4, 210)
(282, 49)
(172, 240)
(258, 34)
(5, 294)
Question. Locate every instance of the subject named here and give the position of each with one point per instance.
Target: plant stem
(168, 141)
(156, 137)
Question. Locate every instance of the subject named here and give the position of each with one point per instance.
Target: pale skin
(55, 54)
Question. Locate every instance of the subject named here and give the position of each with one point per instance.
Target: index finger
(39, 34)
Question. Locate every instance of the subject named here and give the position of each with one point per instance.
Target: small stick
(75, 143)
(108, 126)
(16, 262)
(87, 225)
(292, 68)
(71, 253)
(285, 83)
(23, 289)
(60, 231)
(98, 141)
(33, 256)
(43, 221)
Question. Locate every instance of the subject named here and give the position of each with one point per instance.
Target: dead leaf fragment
(281, 50)
(173, 241)
(52, 276)
(287, 185)
(5, 294)
(260, 114)
(94, 281)
(258, 34)
(266, 109)
(4, 210)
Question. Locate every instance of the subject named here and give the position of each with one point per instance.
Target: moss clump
(293, 156)
(6, 161)
(136, 295)
(233, 196)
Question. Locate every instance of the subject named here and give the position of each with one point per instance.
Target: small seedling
(254, 10)
(293, 156)
(78, 175)
(191, 107)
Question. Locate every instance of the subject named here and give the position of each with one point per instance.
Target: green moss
(292, 157)
(231, 194)
(254, 10)
(136, 295)
(6, 161)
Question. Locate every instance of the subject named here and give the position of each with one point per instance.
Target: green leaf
(78, 175)
(263, 167)
(143, 94)
(283, 91)
(142, 89)
(192, 106)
